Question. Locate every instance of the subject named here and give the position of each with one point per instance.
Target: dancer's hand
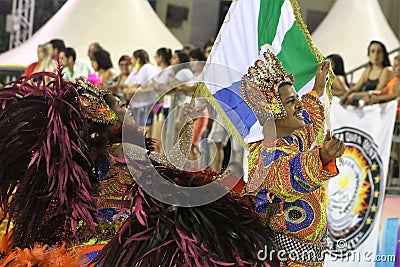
(332, 148)
(191, 113)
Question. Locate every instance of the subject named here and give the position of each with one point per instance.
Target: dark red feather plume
(45, 165)
(226, 232)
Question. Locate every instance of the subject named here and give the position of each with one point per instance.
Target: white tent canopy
(120, 26)
(348, 29)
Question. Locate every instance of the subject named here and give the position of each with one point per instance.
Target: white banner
(355, 196)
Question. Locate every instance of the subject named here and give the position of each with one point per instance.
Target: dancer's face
(124, 115)
(121, 110)
(294, 109)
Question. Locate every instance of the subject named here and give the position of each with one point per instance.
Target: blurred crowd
(152, 92)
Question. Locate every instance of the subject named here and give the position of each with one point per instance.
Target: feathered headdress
(46, 169)
(259, 87)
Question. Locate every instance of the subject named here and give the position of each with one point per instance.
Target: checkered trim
(313, 254)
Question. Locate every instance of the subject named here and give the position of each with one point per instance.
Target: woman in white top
(143, 100)
(182, 75)
(161, 80)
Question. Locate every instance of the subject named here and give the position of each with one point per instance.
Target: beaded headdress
(259, 87)
(94, 106)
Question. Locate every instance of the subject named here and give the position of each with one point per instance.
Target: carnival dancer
(108, 119)
(64, 162)
(46, 169)
(286, 171)
(157, 233)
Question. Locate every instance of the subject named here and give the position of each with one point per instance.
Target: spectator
(56, 46)
(141, 77)
(72, 68)
(103, 66)
(182, 76)
(180, 63)
(392, 89)
(197, 61)
(392, 92)
(188, 48)
(374, 78)
(163, 59)
(94, 47)
(117, 85)
(340, 85)
(208, 47)
(44, 62)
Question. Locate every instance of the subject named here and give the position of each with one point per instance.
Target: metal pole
(22, 28)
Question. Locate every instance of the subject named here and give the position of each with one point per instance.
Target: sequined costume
(289, 175)
(286, 174)
(114, 179)
(226, 231)
(223, 232)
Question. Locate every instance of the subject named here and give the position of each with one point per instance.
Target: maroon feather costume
(46, 168)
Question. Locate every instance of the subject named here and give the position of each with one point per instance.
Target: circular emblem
(353, 195)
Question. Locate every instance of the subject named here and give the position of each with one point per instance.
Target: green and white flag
(251, 27)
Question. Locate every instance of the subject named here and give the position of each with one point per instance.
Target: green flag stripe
(295, 54)
(297, 58)
(268, 19)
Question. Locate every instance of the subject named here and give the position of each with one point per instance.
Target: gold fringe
(195, 94)
(300, 23)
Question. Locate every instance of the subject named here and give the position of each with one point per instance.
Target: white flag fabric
(355, 196)
(250, 28)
